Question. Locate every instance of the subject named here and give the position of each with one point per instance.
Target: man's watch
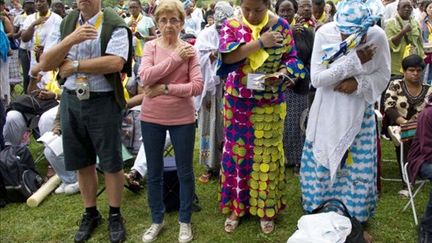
(75, 65)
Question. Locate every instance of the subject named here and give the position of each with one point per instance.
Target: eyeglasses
(172, 21)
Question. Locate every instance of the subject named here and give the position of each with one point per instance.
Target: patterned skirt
(14, 68)
(356, 181)
(293, 136)
(252, 173)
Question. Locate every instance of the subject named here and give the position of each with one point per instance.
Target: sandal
(133, 178)
(231, 224)
(267, 226)
(50, 172)
(367, 237)
(205, 177)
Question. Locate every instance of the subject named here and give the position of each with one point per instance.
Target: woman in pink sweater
(170, 75)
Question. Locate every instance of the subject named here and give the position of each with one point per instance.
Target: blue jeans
(426, 222)
(183, 141)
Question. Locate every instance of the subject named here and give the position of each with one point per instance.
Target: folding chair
(395, 137)
(407, 134)
(379, 120)
(127, 156)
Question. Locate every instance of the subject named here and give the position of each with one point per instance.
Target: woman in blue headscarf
(350, 68)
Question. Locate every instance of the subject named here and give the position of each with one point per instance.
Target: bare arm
(396, 40)
(17, 33)
(50, 59)
(134, 101)
(152, 34)
(27, 34)
(113, 62)
(33, 85)
(102, 65)
(7, 25)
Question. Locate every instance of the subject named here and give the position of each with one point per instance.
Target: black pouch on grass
(19, 179)
(336, 205)
(171, 188)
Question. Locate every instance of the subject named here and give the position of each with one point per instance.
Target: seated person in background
(404, 98)
(17, 123)
(139, 168)
(420, 163)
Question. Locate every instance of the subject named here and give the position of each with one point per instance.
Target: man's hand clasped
(83, 33)
(66, 69)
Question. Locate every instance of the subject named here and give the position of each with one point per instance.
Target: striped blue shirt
(118, 45)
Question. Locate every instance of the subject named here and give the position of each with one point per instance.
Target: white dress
(209, 103)
(340, 122)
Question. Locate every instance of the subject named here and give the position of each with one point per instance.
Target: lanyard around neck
(135, 21)
(97, 24)
(37, 41)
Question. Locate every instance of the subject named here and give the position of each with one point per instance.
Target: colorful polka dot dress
(252, 173)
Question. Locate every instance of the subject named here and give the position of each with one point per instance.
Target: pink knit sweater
(184, 80)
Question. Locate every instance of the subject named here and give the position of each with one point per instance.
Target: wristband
(261, 43)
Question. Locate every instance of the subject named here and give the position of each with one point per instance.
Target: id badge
(255, 81)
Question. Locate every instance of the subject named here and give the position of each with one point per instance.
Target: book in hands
(53, 142)
(277, 75)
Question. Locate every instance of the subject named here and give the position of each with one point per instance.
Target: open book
(53, 142)
(277, 75)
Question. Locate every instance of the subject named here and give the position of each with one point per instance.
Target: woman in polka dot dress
(252, 173)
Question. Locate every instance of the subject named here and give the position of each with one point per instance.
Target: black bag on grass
(336, 205)
(18, 177)
(171, 188)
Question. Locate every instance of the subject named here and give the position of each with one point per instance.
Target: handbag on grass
(336, 205)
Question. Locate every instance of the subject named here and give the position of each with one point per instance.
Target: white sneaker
(185, 234)
(72, 188)
(60, 189)
(151, 234)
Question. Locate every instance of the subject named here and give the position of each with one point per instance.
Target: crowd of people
(272, 86)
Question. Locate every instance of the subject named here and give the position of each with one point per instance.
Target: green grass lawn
(55, 220)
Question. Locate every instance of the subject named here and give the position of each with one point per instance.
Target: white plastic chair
(405, 177)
